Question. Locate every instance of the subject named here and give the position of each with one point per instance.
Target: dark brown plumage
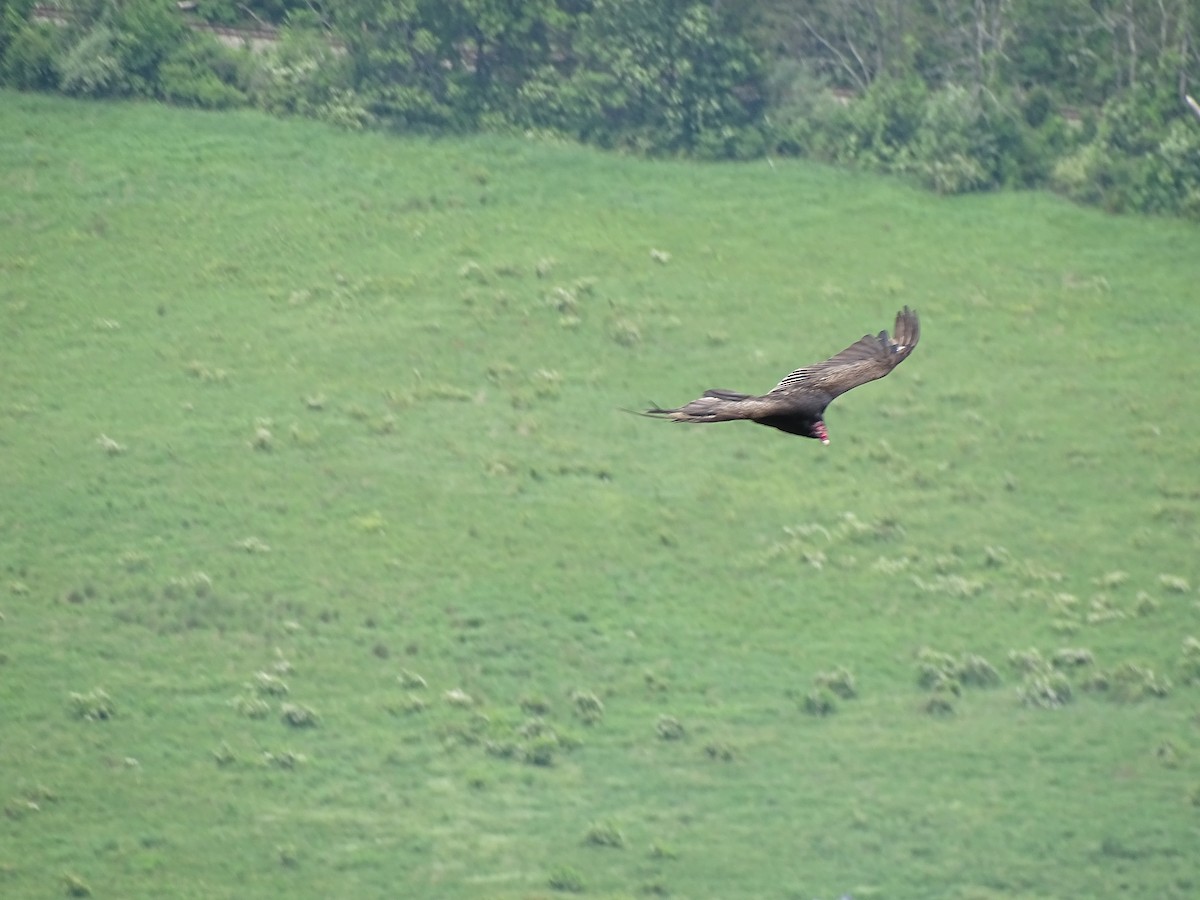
(797, 404)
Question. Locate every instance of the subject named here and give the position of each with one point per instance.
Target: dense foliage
(1085, 97)
(962, 95)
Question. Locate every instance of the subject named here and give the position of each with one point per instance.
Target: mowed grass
(332, 566)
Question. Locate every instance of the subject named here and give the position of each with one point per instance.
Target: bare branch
(261, 24)
(862, 80)
(1192, 104)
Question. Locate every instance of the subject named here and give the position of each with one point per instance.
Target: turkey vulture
(796, 405)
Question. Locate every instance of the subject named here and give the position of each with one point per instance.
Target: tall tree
(656, 75)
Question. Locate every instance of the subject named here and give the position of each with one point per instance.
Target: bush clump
(534, 705)
(94, 706)
(74, 886)
(411, 680)
(251, 707)
(1045, 690)
(1072, 658)
(939, 704)
(566, 879)
(1189, 661)
(838, 681)
(1027, 661)
(946, 674)
(29, 60)
(669, 728)
(588, 707)
(604, 834)
(1131, 682)
(541, 750)
(268, 685)
(719, 750)
(976, 671)
(820, 702)
(828, 688)
(298, 716)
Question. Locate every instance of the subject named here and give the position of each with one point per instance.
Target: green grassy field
(332, 567)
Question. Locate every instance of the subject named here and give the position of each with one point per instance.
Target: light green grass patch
(306, 433)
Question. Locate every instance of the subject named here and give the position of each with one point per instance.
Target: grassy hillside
(334, 568)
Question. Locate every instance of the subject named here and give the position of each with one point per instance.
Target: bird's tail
(713, 406)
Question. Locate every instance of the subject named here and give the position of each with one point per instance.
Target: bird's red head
(819, 432)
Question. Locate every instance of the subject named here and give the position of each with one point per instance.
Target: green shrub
(412, 704)
(839, 681)
(975, 671)
(1045, 690)
(502, 749)
(541, 750)
(224, 755)
(29, 59)
(92, 67)
(1194, 796)
(202, 72)
(74, 886)
(566, 879)
(344, 108)
(1174, 584)
(947, 685)
(411, 680)
(1145, 605)
(252, 707)
(1071, 658)
(935, 668)
(873, 130)
(534, 727)
(220, 12)
(1145, 157)
(1189, 661)
(669, 728)
(820, 702)
(939, 704)
(269, 685)
(940, 672)
(651, 78)
(1131, 682)
(1169, 754)
(719, 750)
(94, 706)
(588, 707)
(118, 48)
(534, 705)
(297, 76)
(1097, 682)
(659, 850)
(1028, 661)
(604, 834)
(30, 800)
(151, 32)
(286, 759)
(949, 151)
(1078, 174)
(626, 333)
(14, 14)
(298, 716)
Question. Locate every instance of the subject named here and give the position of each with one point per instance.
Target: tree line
(1085, 97)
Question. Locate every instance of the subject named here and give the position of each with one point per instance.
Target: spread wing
(868, 358)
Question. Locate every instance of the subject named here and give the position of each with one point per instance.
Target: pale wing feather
(868, 358)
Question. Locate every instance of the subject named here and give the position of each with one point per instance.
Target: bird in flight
(797, 404)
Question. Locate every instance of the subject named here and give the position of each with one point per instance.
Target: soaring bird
(797, 404)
